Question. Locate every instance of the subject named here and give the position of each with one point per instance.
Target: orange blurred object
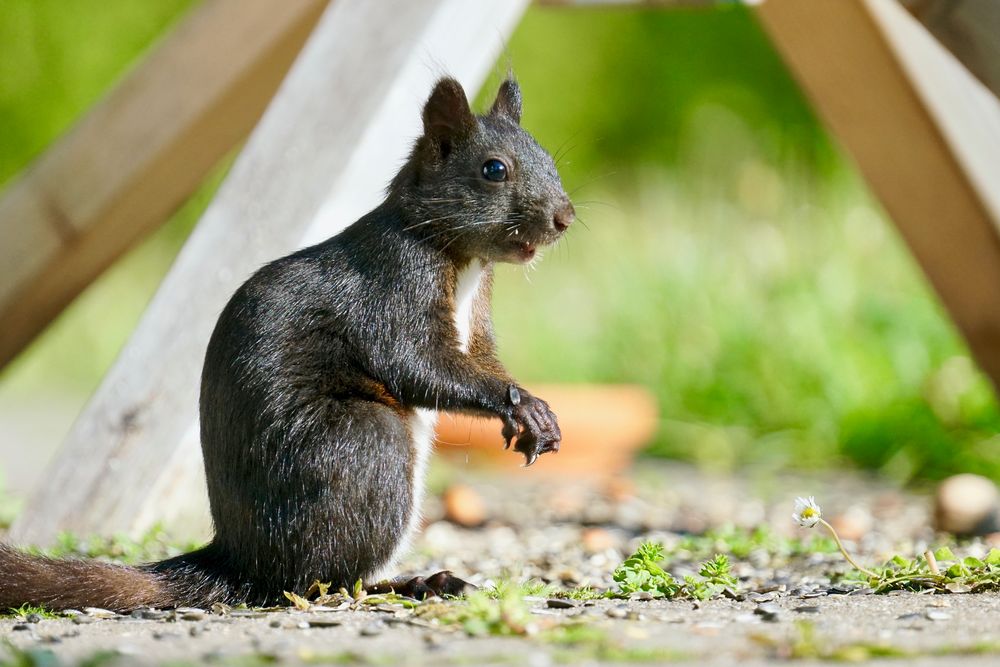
(603, 427)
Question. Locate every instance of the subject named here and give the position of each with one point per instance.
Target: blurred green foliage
(727, 256)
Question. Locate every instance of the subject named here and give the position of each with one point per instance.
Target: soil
(792, 607)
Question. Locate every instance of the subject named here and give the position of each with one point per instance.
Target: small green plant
(714, 578)
(581, 643)
(12, 656)
(506, 586)
(642, 572)
(940, 570)
(482, 614)
(27, 609)
(585, 593)
(807, 644)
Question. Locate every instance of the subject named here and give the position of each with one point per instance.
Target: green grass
(507, 586)
(154, 545)
(741, 542)
(800, 336)
(27, 609)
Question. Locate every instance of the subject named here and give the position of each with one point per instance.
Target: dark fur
(316, 364)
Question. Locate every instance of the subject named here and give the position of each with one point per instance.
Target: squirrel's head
(480, 186)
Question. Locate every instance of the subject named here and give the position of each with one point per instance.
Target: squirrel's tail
(75, 584)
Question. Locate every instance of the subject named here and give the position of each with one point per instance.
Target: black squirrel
(325, 369)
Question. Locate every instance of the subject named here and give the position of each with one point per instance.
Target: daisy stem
(840, 545)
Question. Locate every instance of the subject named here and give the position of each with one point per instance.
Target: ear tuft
(447, 115)
(508, 101)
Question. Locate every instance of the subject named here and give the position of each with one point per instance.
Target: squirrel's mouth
(524, 251)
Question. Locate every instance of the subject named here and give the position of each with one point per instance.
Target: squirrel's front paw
(534, 425)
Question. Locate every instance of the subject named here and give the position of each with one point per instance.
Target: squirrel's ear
(508, 101)
(447, 115)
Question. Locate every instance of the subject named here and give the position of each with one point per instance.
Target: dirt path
(793, 607)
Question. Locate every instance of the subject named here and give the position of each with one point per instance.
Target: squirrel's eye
(494, 170)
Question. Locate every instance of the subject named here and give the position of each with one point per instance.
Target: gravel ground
(793, 605)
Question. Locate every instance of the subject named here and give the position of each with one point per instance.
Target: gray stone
(560, 603)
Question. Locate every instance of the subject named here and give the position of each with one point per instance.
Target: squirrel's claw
(534, 426)
(508, 432)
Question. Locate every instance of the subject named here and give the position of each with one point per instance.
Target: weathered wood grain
(923, 132)
(139, 153)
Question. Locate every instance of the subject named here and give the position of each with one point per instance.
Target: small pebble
(935, 615)
(813, 594)
(33, 618)
(323, 623)
(97, 612)
(644, 596)
(617, 612)
(806, 609)
(83, 619)
(595, 540)
(966, 505)
(909, 617)
(372, 629)
(560, 603)
(192, 615)
(21, 626)
(463, 506)
(768, 611)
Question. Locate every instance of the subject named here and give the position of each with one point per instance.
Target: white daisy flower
(807, 512)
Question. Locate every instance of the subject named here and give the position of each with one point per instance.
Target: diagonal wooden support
(970, 29)
(924, 133)
(332, 138)
(139, 154)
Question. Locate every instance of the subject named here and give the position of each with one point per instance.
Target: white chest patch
(466, 288)
(423, 420)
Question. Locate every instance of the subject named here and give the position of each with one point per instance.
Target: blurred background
(729, 259)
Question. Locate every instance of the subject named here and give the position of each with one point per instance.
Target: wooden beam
(970, 29)
(139, 154)
(924, 134)
(338, 129)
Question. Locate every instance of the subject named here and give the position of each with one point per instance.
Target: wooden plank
(338, 129)
(924, 135)
(969, 29)
(133, 159)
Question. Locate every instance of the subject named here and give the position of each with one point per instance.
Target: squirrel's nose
(563, 217)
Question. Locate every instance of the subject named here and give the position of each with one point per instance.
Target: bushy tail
(75, 584)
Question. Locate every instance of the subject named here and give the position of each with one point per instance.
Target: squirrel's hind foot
(441, 584)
